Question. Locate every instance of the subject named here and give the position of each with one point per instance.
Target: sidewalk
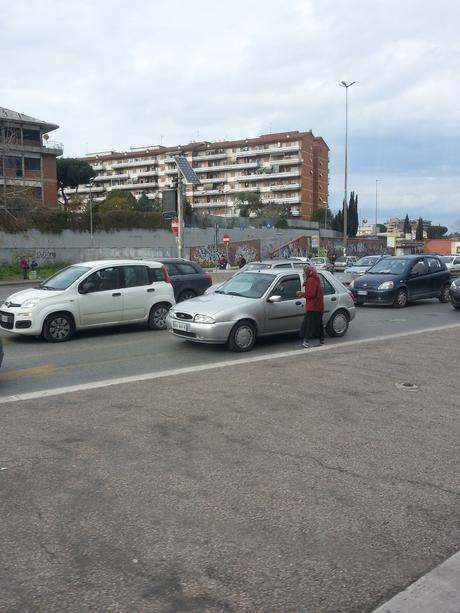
(312, 483)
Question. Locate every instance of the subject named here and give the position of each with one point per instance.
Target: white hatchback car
(90, 295)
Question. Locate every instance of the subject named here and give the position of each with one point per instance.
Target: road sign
(175, 225)
(226, 238)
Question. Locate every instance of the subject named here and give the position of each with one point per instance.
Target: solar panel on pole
(186, 170)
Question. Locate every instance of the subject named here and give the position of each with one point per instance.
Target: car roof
(121, 262)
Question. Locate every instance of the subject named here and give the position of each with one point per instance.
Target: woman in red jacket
(312, 325)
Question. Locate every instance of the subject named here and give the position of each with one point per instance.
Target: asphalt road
(308, 484)
(30, 364)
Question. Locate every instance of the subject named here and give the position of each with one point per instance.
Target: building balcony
(171, 160)
(286, 161)
(234, 190)
(293, 200)
(85, 189)
(212, 204)
(101, 178)
(226, 167)
(132, 186)
(270, 150)
(170, 171)
(48, 146)
(264, 176)
(148, 173)
(210, 156)
(146, 162)
(286, 187)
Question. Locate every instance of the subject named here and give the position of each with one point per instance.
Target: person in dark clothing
(312, 325)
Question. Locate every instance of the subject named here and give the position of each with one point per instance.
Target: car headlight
(454, 286)
(386, 285)
(31, 302)
(203, 319)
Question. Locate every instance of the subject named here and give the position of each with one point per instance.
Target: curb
(21, 281)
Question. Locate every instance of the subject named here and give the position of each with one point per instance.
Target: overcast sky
(115, 73)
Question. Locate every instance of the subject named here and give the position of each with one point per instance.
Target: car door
(329, 295)
(455, 270)
(100, 299)
(418, 282)
(286, 315)
(437, 276)
(137, 292)
(176, 278)
(191, 279)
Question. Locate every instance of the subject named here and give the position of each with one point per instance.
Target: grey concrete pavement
(310, 484)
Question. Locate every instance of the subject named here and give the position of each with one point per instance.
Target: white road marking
(79, 387)
(438, 590)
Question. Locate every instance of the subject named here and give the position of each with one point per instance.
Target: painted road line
(35, 371)
(436, 592)
(213, 366)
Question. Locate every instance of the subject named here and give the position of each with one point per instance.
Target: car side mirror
(275, 299)
(82, 289)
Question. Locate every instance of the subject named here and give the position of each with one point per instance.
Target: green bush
(45, 270)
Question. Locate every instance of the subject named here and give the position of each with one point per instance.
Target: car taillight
(166, 274)
(209, 278)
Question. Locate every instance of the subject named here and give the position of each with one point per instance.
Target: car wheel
(242, 337)
(186, 295)
(58, 328)
(401, 299)
(157, 316)
(445, 294)
(338, 324)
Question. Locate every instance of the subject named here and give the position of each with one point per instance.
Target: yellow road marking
(36, 371)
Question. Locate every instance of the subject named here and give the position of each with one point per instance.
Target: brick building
(285, 168)
(27, 157)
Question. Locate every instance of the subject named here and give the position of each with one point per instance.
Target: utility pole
(376, 200)
(345, 197)
(180, 218)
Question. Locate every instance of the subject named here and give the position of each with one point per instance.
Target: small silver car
(258, 303)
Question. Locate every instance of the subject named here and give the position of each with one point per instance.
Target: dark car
(402, 279)
(455, 293)
(187, 278)
(1, 351)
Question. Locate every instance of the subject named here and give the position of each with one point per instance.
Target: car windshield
(389, 266)
(64, 278)
(448, 259)
(367, 261)
(318, 260)
(247, 285)
(255, 266)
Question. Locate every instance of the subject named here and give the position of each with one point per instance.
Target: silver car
(322, 263)
(259, 303)
(453, 264)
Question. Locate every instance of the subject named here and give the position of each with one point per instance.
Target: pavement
(316, 482)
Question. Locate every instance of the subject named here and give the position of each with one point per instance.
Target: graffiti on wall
(207, 256)
(306, 245)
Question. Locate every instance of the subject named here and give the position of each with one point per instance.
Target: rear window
(156, 274)
(186, 269)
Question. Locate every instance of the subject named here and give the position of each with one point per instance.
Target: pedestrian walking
(24, 266)
(312, 325)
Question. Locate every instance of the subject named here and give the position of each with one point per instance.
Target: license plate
(180, 325)
(5, 318)
(362, 292)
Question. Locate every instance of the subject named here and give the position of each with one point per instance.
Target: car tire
(186, 295)
(401, 299)
(338, 324)
(157, 316)
(445, 294)
(242, 337)
(58, 328)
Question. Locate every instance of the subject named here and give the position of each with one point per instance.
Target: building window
(32, 164)
(31, 136)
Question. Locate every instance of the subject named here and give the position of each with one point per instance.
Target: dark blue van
(401, 279)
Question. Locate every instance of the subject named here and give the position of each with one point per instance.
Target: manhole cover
(409, 387)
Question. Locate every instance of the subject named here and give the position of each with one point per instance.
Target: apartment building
(27, 157)
(284, 168)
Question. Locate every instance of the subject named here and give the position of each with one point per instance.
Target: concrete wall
(70, 246)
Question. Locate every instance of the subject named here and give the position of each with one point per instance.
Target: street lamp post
(91, 209)
(376, 205)
(345, 197)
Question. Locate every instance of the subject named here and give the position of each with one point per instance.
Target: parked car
(187, 278)
(90, 295)
(258, 303)
(360, 267)
(322, 263)
(1, 351)
(402, 279)
(454, 293)
(343, 262)
(280, 263)
(453, 264)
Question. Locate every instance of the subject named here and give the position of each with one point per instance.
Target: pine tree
(407, 227)
(419, 230)
(353, 221)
